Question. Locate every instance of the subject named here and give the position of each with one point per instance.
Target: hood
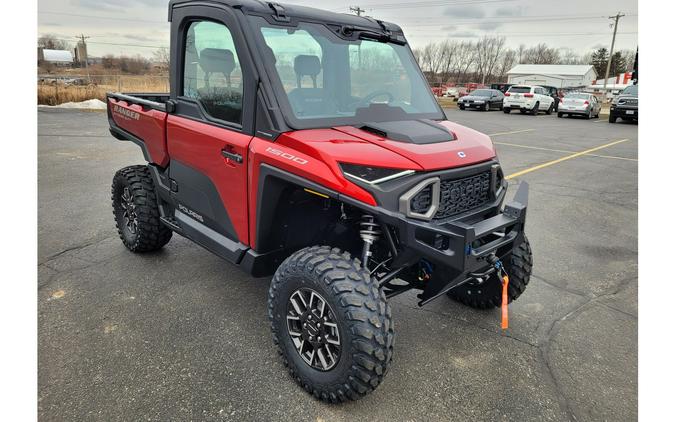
(452, 145)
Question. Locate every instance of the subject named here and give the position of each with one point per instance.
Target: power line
(100, 17)
(513, 20)
(522, 34)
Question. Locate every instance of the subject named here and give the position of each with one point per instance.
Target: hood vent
(419, 132)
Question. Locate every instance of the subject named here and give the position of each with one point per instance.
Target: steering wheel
(369, 98)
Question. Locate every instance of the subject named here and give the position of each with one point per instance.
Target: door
(209, 132)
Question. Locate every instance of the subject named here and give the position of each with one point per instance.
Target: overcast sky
(580, 25)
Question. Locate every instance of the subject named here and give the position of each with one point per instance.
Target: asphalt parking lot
(183, 335)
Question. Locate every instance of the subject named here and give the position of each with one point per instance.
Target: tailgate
(140, 121)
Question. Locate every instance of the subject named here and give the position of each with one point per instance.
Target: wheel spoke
(295, 305)
(322, 358)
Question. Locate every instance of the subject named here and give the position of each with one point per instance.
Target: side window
(538, 91)
(212, 73)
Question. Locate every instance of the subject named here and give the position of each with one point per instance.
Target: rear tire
(489, 294)
(560, 114)
(506, 110)
(136, 211)
(360, 335)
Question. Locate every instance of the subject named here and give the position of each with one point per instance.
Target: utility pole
(357, 10)
(611, 51)
(83, 51)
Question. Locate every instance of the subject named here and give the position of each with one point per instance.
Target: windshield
(630, 90)
(482, 93)
(322, 80)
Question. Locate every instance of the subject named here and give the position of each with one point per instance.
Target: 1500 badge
(286, 155)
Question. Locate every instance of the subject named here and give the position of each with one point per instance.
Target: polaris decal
(286, 155)
(185, 210)
(126, 113)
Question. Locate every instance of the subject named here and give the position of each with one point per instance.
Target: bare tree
(521, 53)
(569, 56)
(488, 51)
(542, 54)
(465, 59)
(506, 63)
(162, 57)
(51, 42)
(448, 55)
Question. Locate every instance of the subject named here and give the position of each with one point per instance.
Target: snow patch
(94, 104)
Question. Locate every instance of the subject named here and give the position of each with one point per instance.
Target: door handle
(237, 158)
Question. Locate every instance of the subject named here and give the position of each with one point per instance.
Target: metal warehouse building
(557, 75)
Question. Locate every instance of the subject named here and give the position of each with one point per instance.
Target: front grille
(628, 101)
(456, 196)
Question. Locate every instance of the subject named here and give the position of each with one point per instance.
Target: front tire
(535, 109)
(612, 117)
(550, 109)
(489, 294)
(350, 357)
(506, 110)
(560, 114)
(136, 211)
(486, 107)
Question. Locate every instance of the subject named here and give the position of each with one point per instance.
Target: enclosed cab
(307, 146)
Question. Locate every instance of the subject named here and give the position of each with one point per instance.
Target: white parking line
(511, 133)
(563, 151)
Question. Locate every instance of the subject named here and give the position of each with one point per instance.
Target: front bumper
(624, 112)
(460, 247)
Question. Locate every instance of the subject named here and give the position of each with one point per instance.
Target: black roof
(296, 12)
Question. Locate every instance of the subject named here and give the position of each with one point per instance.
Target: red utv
(306, 145)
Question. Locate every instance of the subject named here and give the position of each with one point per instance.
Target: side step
(171, 222)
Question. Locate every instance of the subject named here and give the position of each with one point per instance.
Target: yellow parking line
(567, 157)
(563, 150)
(510, 133)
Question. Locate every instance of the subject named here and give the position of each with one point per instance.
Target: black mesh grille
(457, 196)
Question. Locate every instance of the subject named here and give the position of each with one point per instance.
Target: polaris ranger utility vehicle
(307, 146)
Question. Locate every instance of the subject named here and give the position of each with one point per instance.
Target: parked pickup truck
(307, 146)
(625, 106)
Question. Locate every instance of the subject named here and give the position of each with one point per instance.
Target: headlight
(372, 175)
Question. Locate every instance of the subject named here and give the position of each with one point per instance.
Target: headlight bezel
(372, 175)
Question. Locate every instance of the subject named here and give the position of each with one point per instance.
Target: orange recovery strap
(505, 302)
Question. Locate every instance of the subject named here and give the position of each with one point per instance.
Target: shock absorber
(370, 232)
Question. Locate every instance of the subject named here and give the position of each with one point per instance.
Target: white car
(528, 99)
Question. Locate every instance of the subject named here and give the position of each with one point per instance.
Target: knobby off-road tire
(489, 294)
(355, 305)
(136, 212)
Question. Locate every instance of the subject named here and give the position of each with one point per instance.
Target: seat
(309, 102)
